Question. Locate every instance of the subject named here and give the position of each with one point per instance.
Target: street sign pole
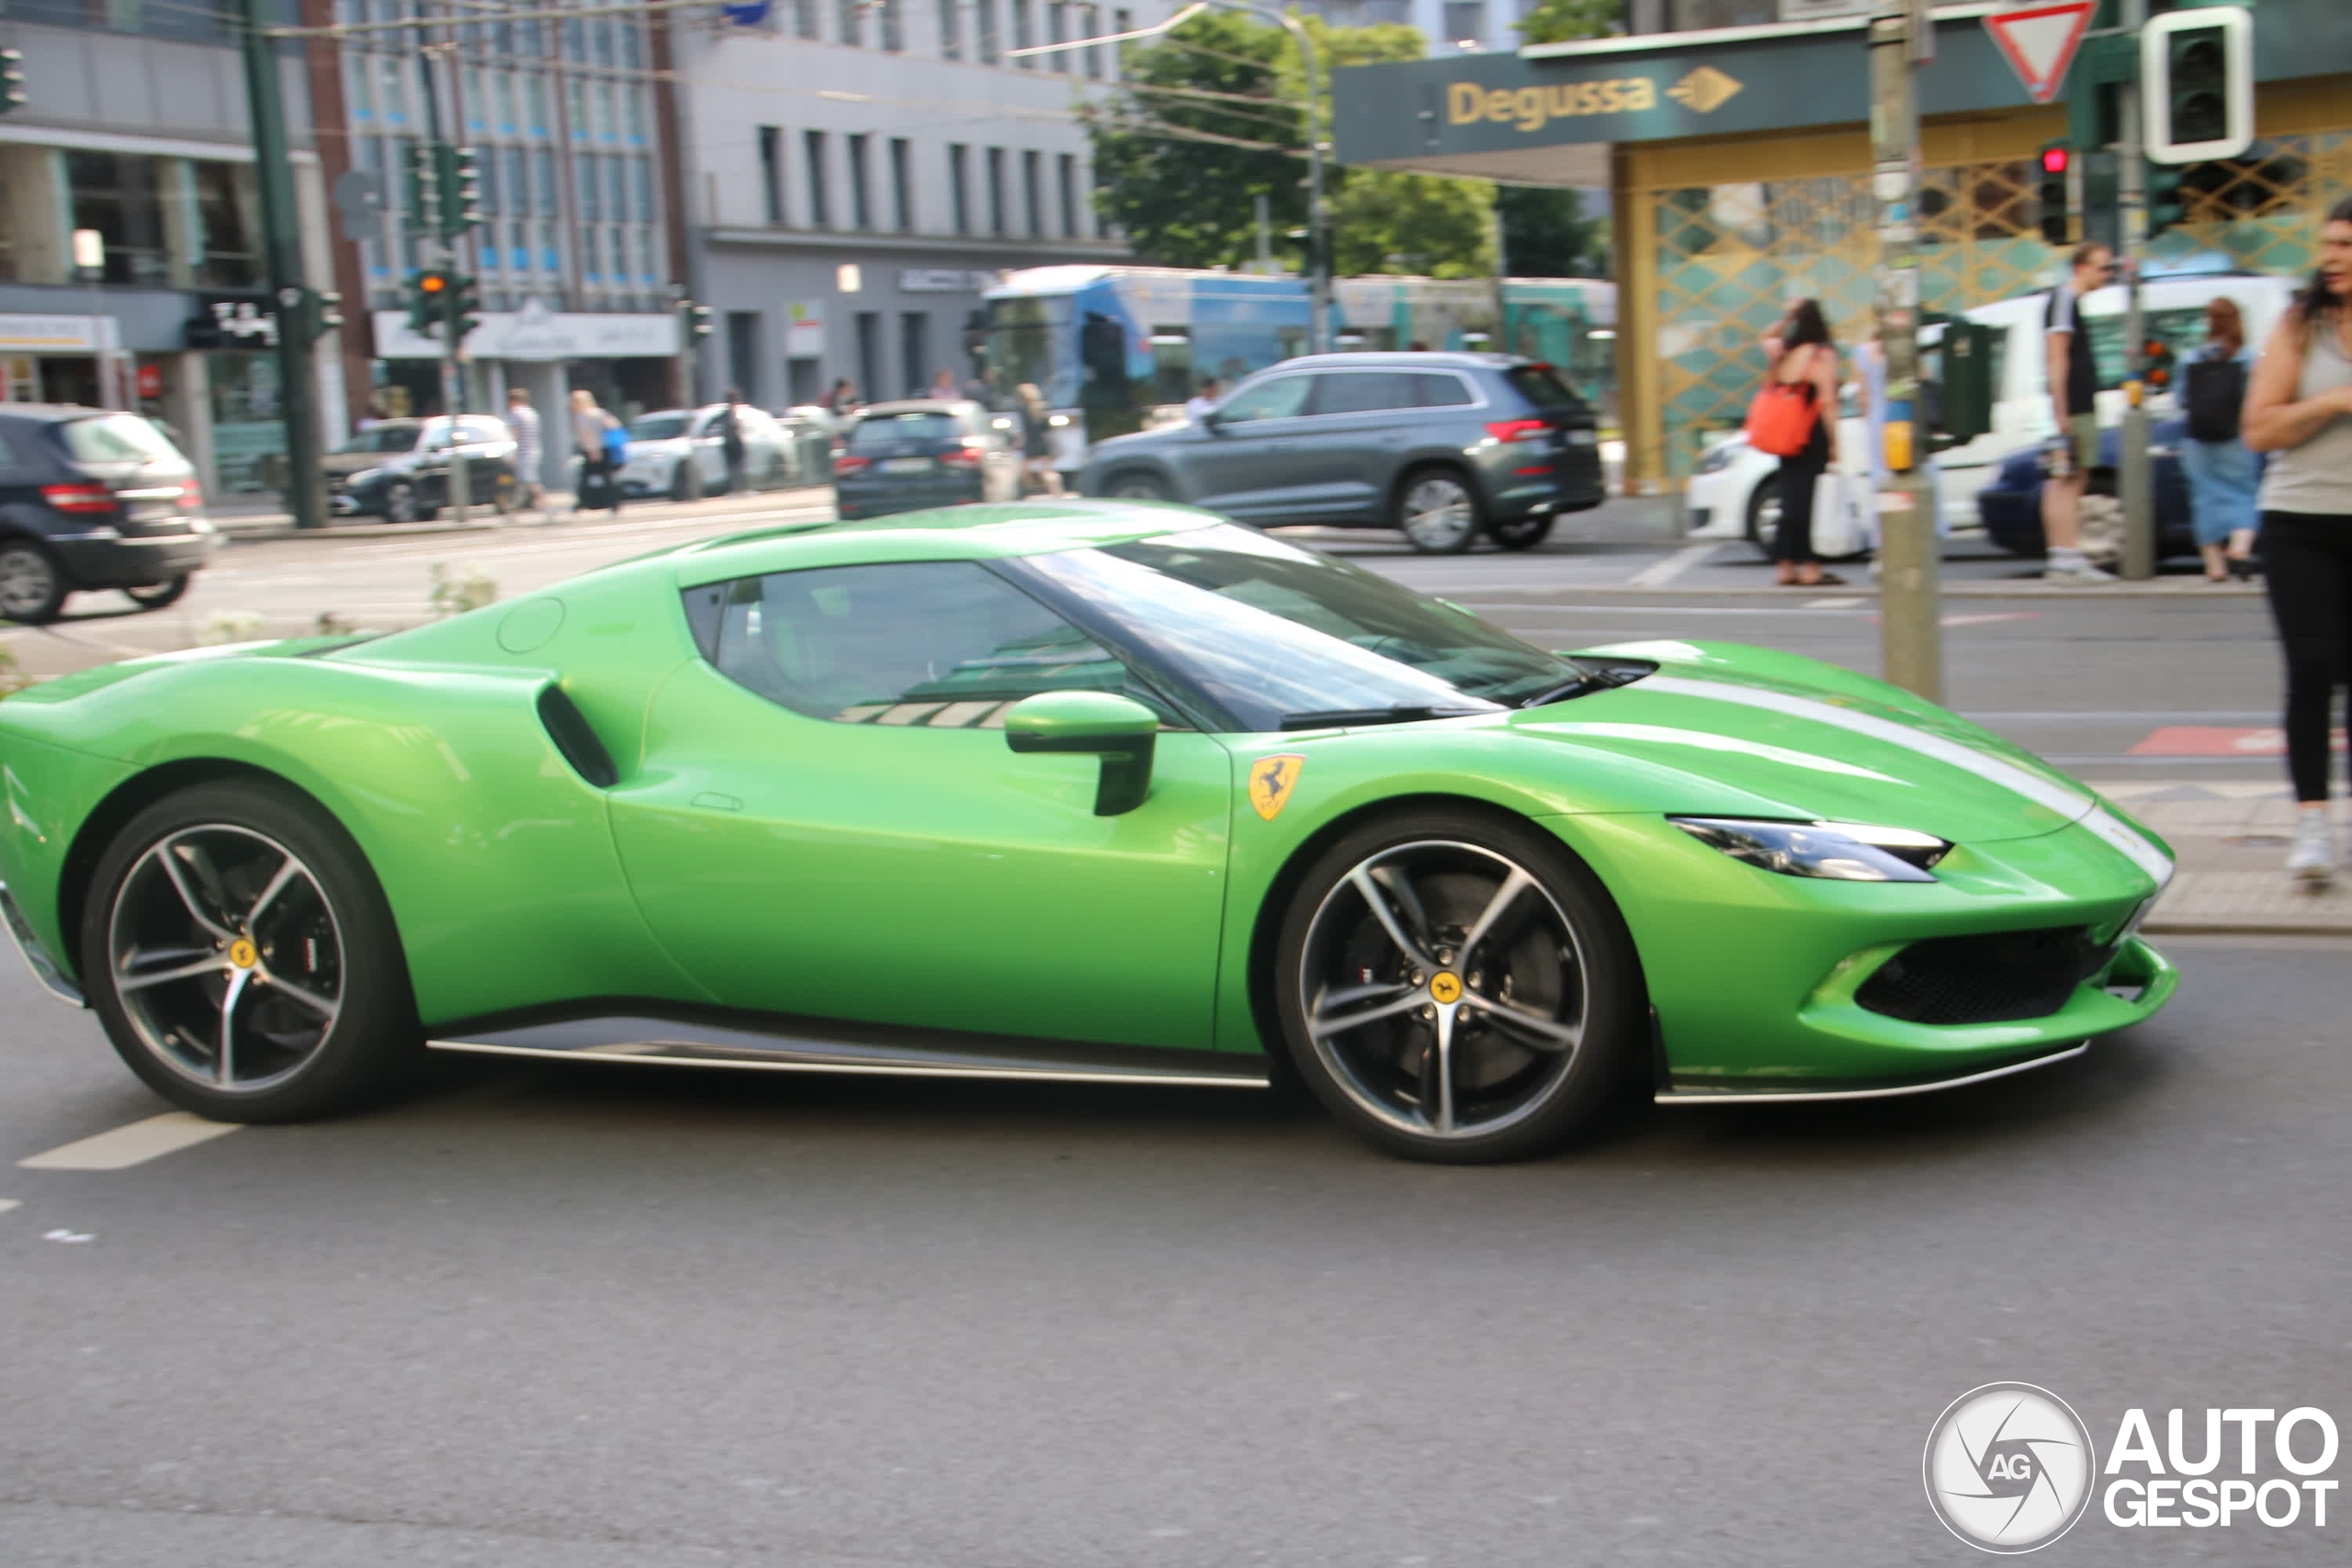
(437, 230)
(282, 253)
(1910, 594)
(2136, 478)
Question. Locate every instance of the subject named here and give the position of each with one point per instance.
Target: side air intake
(568, 727)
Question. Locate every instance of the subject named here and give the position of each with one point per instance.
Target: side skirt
(1689, 1094)
(792, 1045)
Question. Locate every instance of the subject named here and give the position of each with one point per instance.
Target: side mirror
(1118, 729)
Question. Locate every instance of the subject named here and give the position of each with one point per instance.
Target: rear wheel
(1522, 533)
(32, 586)
(155, 595)
(1138, 486)
(1437, 512)
(1764, 517)
(401, 502)
(242, 959)
(1458, 988)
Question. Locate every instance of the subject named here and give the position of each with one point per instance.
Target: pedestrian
(729, 427)
(592, 431)
(2222, 470)
(523, 424)
(842, 402)
(1037, 452)
(943, 386)
(2074, 400)
(1197, 409)
(1800, 354)
(2298, 408)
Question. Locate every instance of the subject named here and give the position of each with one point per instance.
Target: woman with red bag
(1795, 418)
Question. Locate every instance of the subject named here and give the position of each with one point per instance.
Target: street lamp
(1318, 272)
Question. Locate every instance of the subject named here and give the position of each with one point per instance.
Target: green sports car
(1079, 790)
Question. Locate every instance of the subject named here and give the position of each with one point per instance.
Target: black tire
(1438, 509)
(32, 583)
(155, 595)
(1524, 1080)
(198, 866)
(1521, 532)
(401, 504)
(1763, 526)
(681, 482)
(1136, 485)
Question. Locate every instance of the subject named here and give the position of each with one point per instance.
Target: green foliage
(1546, 233)
(1563, 21)
(13, 678)
(1187, 200)
(456, 595)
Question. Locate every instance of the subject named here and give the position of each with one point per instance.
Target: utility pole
(438, 234)
(281, 226)
(2135, 479)
(1910, 596)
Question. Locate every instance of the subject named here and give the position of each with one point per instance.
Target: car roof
(919, 405)
(51, 412)
(1405, 359)
(977, 532)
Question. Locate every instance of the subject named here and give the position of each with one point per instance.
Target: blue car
(2010, 502)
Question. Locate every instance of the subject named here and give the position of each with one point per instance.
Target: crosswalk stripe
(133, 1145)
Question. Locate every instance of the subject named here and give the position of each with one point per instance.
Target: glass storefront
(248, 434)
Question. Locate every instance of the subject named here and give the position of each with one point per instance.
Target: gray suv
(1442, 446)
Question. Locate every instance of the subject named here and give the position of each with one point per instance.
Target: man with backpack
(2223, 473)
(2074, 400)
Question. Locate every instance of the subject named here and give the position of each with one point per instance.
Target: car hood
(1844, 748)
(343, 464)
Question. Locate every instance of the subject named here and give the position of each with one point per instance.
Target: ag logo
(1270, 779)
(2009, 1467)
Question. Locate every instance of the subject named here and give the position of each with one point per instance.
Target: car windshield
(1277, 635)
(658, 427)
(890, 429)
(117, 438)
(1541, 385)
(382, 438)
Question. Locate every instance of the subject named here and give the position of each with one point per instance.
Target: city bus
(1114, 349)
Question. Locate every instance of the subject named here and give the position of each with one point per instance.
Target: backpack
(2214, 390)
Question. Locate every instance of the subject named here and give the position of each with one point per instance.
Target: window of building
(227, 214)
(743, 354)
(860, 208)
(543, 181)
(1066, 183)
(120, 196)
(1057, 19)
(772, 173)
(894, 32)
(804, 18)
(959, 186)
(1024, 30)
(1090, 26)
(869, 350)
(819, 212)
(1122, 21)
(1032, 197)
(851, 20)
(914, 353)
(1465, 21)
(902, 195)
(586, 189)
(951, 29)
(644, 189)
(996, 191)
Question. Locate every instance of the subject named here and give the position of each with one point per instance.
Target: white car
(661, 444)
(1731, 494)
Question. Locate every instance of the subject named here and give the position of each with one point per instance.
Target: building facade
(860, 170)
(131, 271)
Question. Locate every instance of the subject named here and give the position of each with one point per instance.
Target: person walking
(2222, 470)
(2074, 398)
(943, 387)
(1036, 451)
(1799, 353)
(842, 402)
(2298, 408)
(599, 486)
(1197, 406)
(523, 424)
(729, 427)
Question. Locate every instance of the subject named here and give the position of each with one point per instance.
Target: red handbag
(1780, 419)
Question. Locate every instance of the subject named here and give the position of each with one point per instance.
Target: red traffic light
(2053, 160)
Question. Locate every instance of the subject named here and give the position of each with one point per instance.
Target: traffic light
(697, 320)
(12, 79)
(2057, 221)
(464, 308)
(426, 290)
(2167, 197)
(321, 312)
(2197, 85)
(424, 188)
(2155, 358)
(456, 173)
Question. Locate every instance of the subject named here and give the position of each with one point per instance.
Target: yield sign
(2040, 42)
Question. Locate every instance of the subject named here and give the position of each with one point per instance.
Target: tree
(1563, 21)
(1546, 233)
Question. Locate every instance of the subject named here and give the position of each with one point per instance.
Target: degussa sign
(1531, 109)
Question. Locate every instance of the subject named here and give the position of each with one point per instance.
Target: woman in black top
(1798, 350)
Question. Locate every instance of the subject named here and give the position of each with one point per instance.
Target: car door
(487, 445)
(828, 820)
(1242, 463)
(429, 460)
(1358, 426)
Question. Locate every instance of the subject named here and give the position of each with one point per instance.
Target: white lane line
(1662, 572)
(9, 1203)
(1831, 603)
(134, 1145)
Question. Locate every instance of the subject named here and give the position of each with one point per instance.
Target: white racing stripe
(133, 1145)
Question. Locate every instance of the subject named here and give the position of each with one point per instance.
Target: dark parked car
(91, 499)
(1442, 446)
(398, 469)
(922, 452)
(2010, 502)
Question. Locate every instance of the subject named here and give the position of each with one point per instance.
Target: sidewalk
(555, 508)
(2231, 838)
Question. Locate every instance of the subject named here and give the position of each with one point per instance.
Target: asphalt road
(584, 1317)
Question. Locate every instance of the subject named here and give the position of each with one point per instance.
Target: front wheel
(1522, 533)
(155, 595)
(1438, 513)
(242, 956)
(401, 502)
(1138, 486)
(1458, 988)
(32, 588)
(1763, 528)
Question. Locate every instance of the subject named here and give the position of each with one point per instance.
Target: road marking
(1831, 603)
(2212, 741)
(1988, 618)
(134, 1145)
(1660, 573)
(9, 1203)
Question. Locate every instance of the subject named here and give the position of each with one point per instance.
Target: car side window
(1435, 390)
(944, 644)
(481, 431)
(1278, 399)
(1361, 392)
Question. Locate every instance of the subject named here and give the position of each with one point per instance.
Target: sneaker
(2078, 572)
(2312, 860)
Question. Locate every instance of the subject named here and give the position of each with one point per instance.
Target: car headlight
(1840, 852)
(1718, 457)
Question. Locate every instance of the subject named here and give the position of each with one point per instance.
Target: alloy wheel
(28, 585)
(226, 958)
(1438, 514)
(1137, 488)
(400, 502)
(1445, 989)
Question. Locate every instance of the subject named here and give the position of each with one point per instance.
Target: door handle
(711, 800)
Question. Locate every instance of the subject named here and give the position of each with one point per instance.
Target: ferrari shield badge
(1270, 779)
